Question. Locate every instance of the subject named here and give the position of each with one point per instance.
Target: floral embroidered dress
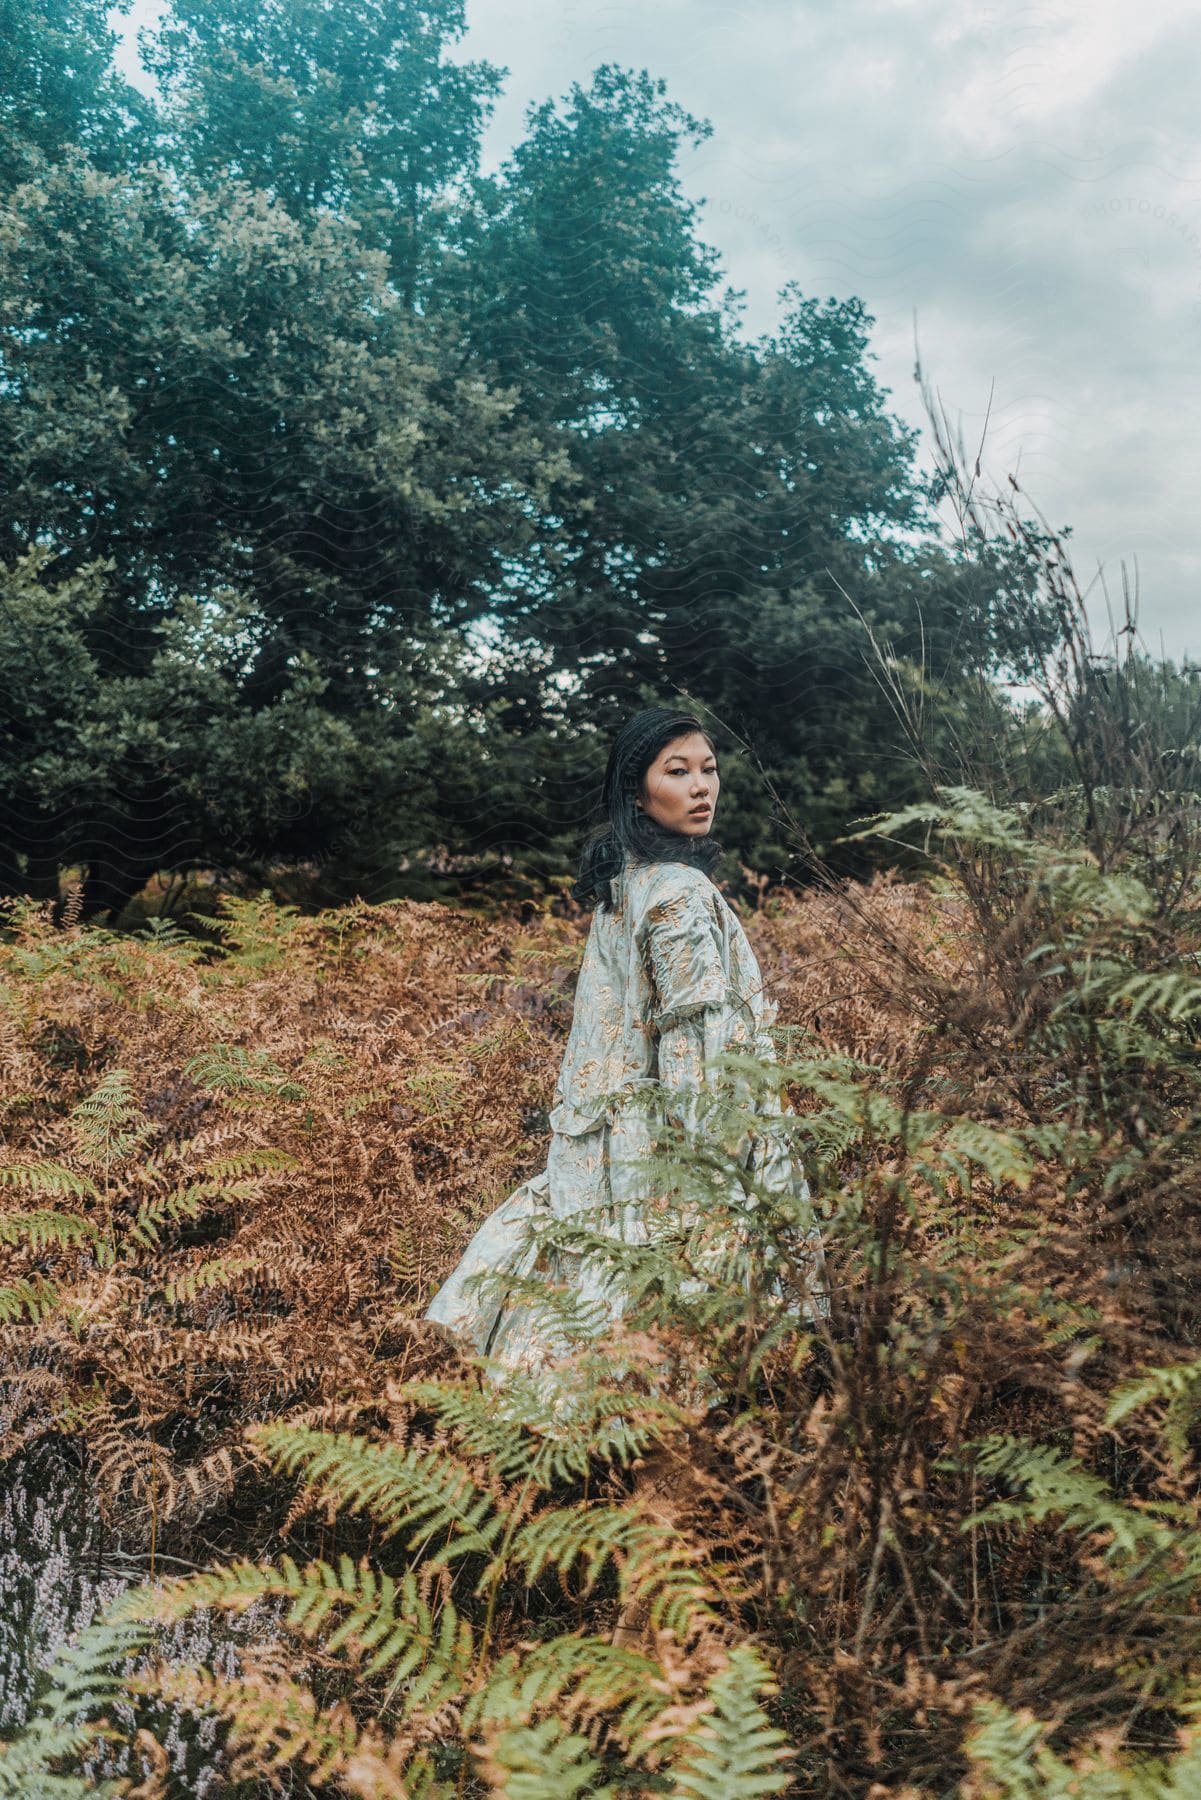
(668, 982)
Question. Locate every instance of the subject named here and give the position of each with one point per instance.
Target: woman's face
(680, 790)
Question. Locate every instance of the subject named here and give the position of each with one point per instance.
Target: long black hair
(627, 834)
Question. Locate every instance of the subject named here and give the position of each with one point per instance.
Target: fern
(572, 1676)
(231, 1069)
(144, 1230)
(47, 1178)
(46, 1230)
(528, 1435)
(260, 1160)
(107, 1125)
(543, 1762)
(654, 1564)
(1010, 1750)
(216, 1272)
(734, 1748)
(86, 1677)
(1179, 1386)
(396, 1488)
(1056, 1484)
(256, 932)
(274, 1722)
(32, 1299)
(386, 1624)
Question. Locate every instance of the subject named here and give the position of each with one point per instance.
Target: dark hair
(627, 834)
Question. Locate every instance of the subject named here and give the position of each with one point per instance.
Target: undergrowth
(938, 1536)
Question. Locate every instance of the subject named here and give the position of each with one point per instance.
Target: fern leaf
(48, 1178)
(541, 1762)
(734, 1748)
(572, 1677)
(44, 1230)
(273, 1722)
(383, 1623)
(528, 1434)
(249, 1162)
(215, 1272)
(86, 1677)
(655, 1565)
(395, 1488)
(1180, 1386)
(230, 1068)
(32, 1300)
(1056, 1484)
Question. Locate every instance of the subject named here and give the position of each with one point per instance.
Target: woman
(668, 982)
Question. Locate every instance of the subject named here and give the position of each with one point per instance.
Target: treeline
(350, 495)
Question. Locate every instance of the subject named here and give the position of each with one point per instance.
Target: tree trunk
(42, 874)
(12, 876)
(109, 886)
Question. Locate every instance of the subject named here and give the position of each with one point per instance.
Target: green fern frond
(360, 1102)
(384, 1623)
(1001, 1154)
(735, 1748)
(1180, 1386)
(144, 1230)
(33, 1300)
(215, 1272)
(394, 1487)
(249, 1162)
(1173, 993)
(48, 1178)
(229, 1068)
(528, 1435)
(107, 1124)
(654, 1564)
(1056, 1484)
(543, 1762)
(1009, 1748)
(44, 1229)
(85, 1678)
(572, 1676)
(255, 932)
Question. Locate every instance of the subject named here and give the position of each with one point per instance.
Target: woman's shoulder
(652, 886)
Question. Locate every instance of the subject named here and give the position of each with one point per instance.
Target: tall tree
(739, 514)
(208, 393)
(59, 90)
(348, 104)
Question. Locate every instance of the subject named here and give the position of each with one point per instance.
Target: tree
(742, 516)
(350, 105)
(58, 89)
(208, 394)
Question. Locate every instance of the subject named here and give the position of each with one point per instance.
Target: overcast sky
(1021, 184)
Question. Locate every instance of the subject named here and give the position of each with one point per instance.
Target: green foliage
(1011, 1752)
(85, 1678)
(318, 450)
(1055, 1485)
(109, 1126)
(545, 1762)
(735, 1749)
(1179, 1387)
(230, 1068)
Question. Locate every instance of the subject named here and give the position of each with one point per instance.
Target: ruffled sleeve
(682, 944)
(686, 958)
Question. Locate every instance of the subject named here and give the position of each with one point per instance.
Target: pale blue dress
(668, 982)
